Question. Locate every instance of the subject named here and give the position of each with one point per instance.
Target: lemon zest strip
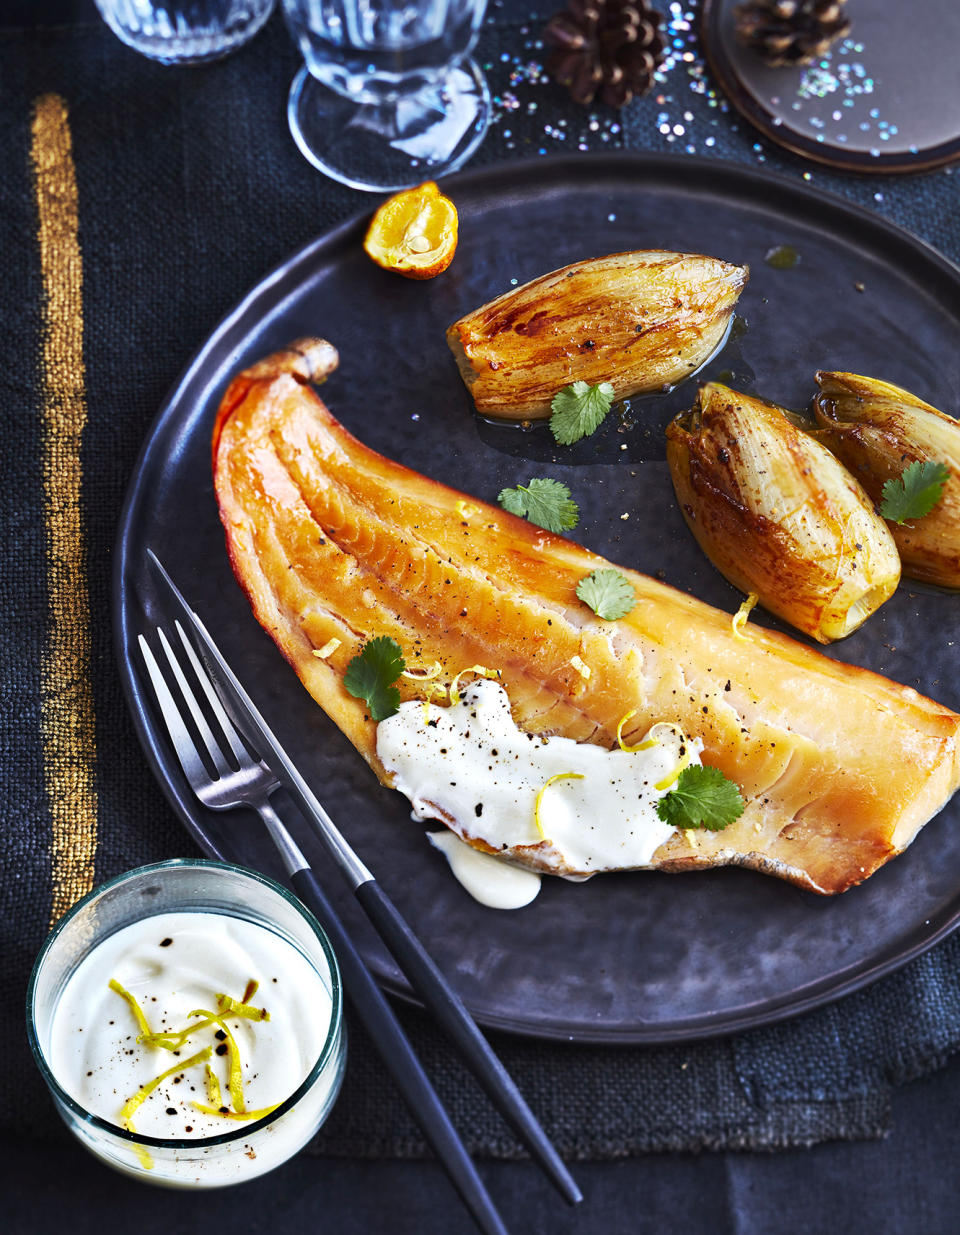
(684, 758)
(543, 789)
(741, 615)
(213, 1088)
(216, 1106)
(647, 745)
(435, 689)
(174, 1040)
(328, 649)
(237, 1007)
(235, 1076)
(133, 1104)
(424, 675)
(135, 1008)
(482, 670)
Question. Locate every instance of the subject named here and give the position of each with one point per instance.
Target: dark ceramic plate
(622, 958)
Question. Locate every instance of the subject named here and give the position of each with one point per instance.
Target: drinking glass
(388, 95)
(185, 31)
(246, 1150)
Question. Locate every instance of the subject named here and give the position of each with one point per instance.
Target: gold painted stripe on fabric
(66, 699)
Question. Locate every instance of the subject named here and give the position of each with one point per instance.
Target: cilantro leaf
(701, 798)
(372, 673)
(578, 410)
(545, 502)
(607, 593)
(915, 493)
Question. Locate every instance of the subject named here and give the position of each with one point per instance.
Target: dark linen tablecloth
(904, 1185)
(187, 189)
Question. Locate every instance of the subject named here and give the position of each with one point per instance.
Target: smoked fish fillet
(838, 766)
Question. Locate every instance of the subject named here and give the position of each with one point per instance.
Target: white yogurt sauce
(489, 880)
(470, 764)
(172, 964)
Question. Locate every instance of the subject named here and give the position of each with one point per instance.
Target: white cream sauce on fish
(489, 880)
(469, 765)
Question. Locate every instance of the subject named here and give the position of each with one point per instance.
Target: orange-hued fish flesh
(335, 544)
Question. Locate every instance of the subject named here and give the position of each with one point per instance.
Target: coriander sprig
(916, 492)
(579, 410)
(701, 798)
(545, 502)
(607, 593)
(371, 675)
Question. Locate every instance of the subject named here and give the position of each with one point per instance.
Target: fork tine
(203, 677)
(180, 736)
(206, 733)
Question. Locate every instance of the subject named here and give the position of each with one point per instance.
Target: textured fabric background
(190, 189)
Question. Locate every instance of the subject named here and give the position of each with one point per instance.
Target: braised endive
(878, 430)
(778, 515)
(640, 321)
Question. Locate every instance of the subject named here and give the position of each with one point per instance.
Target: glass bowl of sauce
(187, 1019)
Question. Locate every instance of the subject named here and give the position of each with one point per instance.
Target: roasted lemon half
(414, 233)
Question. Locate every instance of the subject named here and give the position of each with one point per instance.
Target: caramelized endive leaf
(642, 321)
(778, 515)
(838, 767)
(877, 430)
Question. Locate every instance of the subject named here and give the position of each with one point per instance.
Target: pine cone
(790, 31)
(606, 47)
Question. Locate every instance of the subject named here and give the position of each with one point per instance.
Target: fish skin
(331, 540)
(643, 320)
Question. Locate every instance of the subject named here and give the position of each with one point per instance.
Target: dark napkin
(190, 190)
